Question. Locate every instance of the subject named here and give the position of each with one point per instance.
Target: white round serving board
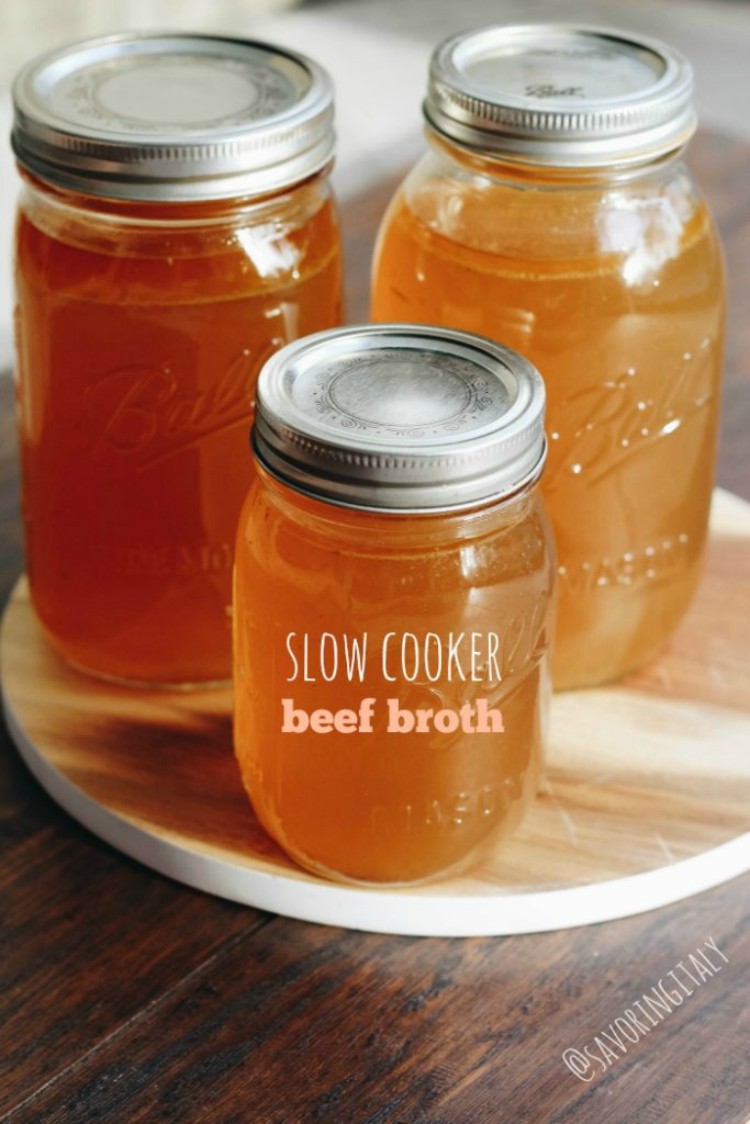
(646, 798)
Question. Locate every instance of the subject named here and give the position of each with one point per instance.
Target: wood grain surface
(125, 998)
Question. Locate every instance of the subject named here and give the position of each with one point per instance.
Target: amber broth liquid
(625, 327)
(384, 806)
(138, 356)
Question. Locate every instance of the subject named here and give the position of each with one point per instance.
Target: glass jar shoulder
(210, 249)
(493, 210)
(304, 543)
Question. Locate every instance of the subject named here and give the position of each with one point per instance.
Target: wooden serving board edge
(430, 911)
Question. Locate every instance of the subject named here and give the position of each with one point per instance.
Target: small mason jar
(554, 213)
(176, 226)
(393, 586)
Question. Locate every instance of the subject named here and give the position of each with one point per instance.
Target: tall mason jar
(175, 227)
(553, 212)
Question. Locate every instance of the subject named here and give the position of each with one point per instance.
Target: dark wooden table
(127, 998)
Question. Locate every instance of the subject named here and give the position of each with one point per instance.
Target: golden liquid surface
(384, 806)
(617, 297)
(139, 345)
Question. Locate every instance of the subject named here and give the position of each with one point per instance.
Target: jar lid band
(173, 117)
(561, 95)
(400, 417)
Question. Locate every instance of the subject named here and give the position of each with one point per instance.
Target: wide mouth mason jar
(553, 212)
(176, 226)
(393, 601)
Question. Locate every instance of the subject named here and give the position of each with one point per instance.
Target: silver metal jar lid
(561, 95)
(400, 417)
(173, 117)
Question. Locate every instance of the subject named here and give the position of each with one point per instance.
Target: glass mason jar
(392, 601)
(553, 212)
(176, 226)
